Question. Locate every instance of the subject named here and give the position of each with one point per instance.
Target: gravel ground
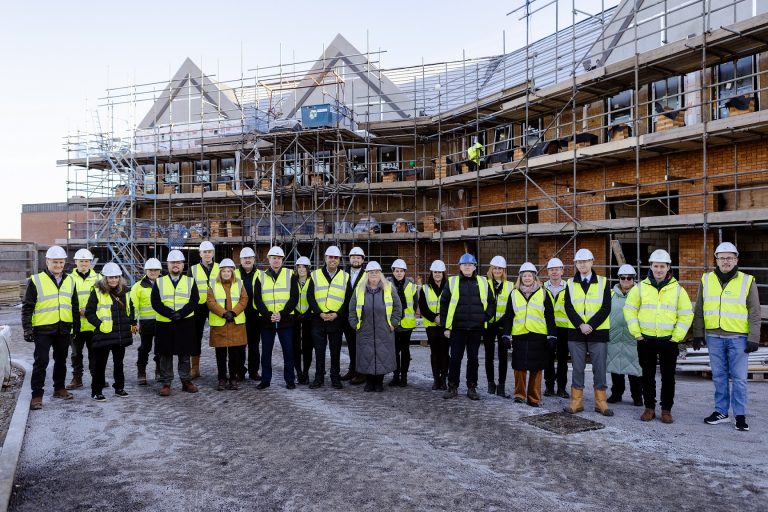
(8, 396)
(405, 449)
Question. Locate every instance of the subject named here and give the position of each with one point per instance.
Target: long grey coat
(375, 341)
(622, 346)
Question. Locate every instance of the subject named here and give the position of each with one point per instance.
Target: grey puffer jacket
(622, 346)
(375, 340)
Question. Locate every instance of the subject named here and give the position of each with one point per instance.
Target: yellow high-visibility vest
(558, 303)
(175, 298)
(54, 304)
(330, 296)
(409, 308)
(529, 315)
(588, 304)
(141, 296)
(453, 286)
(388, 303)
(501, 299)
(303, 304)
(84, 287)
(658, 313)
(104, 311)
(202, 280)
(275, 293)
(433, 303)
(726, 309)
(220, 293)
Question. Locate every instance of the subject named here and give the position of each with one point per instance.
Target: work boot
(601, 404)
(188, 387)
(666, 416)
(491, 387)
(395, 380)
(452, 392)
(195, 370)
(141, 378)
(36, 404)
(501, 390)
(348, 376)
(648, 414)
(614, 398)
(435, 384)
(358, 379)
(76, 382)
(165, 390)
(549, 391)
(403, 380)
(63, 394)
(317, 383)
(222, 385)
(336, 384)
(303, 378)
(577, 395)
(233, 385)
(562, 393)
(637, 401)
(442, 383)
(472, 393)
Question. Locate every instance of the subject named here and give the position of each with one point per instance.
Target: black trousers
(322, 337)
(559, 354)
(461, 340)
(303, 345)
(201, 315)
(350, 335)
(79, 343)
(439, 346)
(403, 351)
(43, 345)
(228, 358)
(618, 385)
(147, 335)
(253, 333)
(100, 358)
(492, 340)
(665, 352)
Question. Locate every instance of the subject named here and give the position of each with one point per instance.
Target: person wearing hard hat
(203, 273)
(356, 275)
(407, 292)
(328, 295)
(112, 314)
(49, 317)
(175, 299)
(587, 304)
(275, 295)
(493, 334)
(622, 345)
(141, 297)
(466, 304)
(555, 286)
(303, 345)
(659, 314)
(248, 274)
(530, 318)
(727, 317)
(375, 312)
(227, 301)
(85, 277)
(429, 306)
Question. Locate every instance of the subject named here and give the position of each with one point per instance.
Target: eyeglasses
(728, 259)
(626, 278)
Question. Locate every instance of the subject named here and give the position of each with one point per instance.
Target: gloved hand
(698, 343)
(134, 329)
(175, 317)
(29, 335)
(229, 316)
(551, 342)
(507, 340)
(752, 346)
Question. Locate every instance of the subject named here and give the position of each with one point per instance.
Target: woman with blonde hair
(494, 328)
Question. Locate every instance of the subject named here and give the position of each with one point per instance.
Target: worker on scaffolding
(555, 286)
(202, 273)
(429, 307)
(85, 278)
(303, 345)
(275, 295)
(49, 320)
(141, 296)
(727, 317)
(407, 292)
(248, 273)
(328, 295)
(588, 306)
(356, 274)
(659, 314)
(475, 155)
(175, 300)
(493, 333)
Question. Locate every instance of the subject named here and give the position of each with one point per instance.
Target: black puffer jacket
(469, 314)
(121, 321)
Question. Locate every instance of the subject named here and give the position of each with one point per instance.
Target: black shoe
(395, 381)
(403, 381)
(614, 398)
(379, 388)
(741, 423)
(519, 400)
(263, 385)
(336, 384)
(500, 391)
(549, 391)
(715, 418)
(290, 385)
(121, 393)
(491, 388)
(637, 402)
(317, 383)
(563, 394)
(256, 376)
(99, 397)
(532, 404)
(369, 386)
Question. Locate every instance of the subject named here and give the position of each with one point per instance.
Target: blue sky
(59, 57)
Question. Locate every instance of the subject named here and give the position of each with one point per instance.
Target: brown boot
(601, 404)
(165, 390)
(666, 416)
(36, 404)
(76, 382)
(141, 378)
(648, 414)
(358, 379)
(188, 387)
(452, 392)
(195, 371)
(577, 395)
(63, 394)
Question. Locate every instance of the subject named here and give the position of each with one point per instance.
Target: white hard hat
(726, 247)
(247, 252)
(276, 251)
(499, 261)
(205, 246)
(55, 252)
(83, 254)
(372, 265)
(437, 266)
(528, 267)
(357, 251)
(175, 255)
(111, 270)
(226, 262)
(153, 264)
(583, 255)
(555, 263)
(398, 263)
(333, 251)
(660, 256)
(303, 260)
(627, 270)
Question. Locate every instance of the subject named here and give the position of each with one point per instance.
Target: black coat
(529, 351)
(596, 320)
(469, 314)
(28, 309)
(175, 338)
(121, 335)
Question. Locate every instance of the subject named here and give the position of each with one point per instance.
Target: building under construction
(632, 129)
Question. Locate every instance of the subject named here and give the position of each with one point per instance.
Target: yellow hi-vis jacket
(726, 309)
(529, 314)
(104, 311)
(202, 280)
(588, 304)
(84, 287)
(220, 294)
(174, 298)
(388, 303)
(453, 286)
(275, 293)
(54, 304)
(330, 296)
(658, 313)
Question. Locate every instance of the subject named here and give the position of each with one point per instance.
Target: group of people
(625, 330)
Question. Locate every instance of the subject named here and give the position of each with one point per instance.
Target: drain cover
(563, 423)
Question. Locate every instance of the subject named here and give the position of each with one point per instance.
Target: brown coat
(230, 334)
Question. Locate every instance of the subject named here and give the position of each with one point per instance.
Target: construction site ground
(404, 449)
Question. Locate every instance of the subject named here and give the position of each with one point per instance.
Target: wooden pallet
(572, 146)
(169, 189)
(223, 187)
(389, 177)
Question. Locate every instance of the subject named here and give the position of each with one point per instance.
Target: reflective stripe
(330, 296)
(662, 313)
(529, 315)
(409, 308)
(275, 297)
(360, 302)
(202, 280)
(588, 304)
(501, 299)
(175, 298)
(453, 286)
(433, 304)
(220, 294)
(104, 311)
(303, 305)
(726, 308)
(53, 304)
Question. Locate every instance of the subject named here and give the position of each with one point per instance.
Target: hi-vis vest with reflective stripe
(84, 287)
(453, 286)
(433, 303)
(388, 303)
(54, 304)
(409, 308)
(658, 313)
(141, 296)
(588, 304)
(558, 302)
(330, 296)
(174, 298)
(104, 311)
(501, 299)
(220, 294)
(726, 309)
(529, 315)
(201, 280)
(303, 305)
(275, 293)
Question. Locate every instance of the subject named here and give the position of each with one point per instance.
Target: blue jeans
(728, 360)
(285, 334)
